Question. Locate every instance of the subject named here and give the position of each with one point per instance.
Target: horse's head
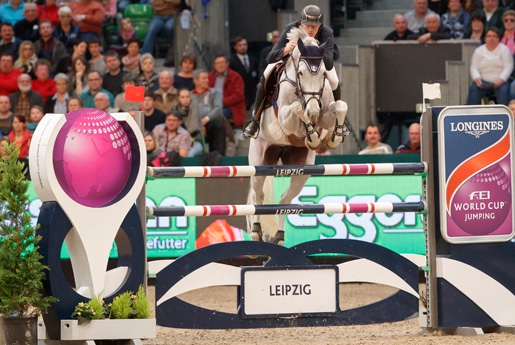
(308, 61)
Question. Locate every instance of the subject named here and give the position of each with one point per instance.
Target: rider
(311, 21)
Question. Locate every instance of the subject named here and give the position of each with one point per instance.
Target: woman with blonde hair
(27, 58)
(152, 148)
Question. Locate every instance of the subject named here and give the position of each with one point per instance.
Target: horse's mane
(296, 33)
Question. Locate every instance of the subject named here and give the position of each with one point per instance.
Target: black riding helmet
(312, 15)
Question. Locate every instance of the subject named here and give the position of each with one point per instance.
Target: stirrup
(251, 129)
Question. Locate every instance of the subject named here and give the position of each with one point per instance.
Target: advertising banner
(476, 174)
(400, 232)
(170, 237)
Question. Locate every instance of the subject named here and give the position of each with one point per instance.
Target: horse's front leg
(339, 110)
(312, 136)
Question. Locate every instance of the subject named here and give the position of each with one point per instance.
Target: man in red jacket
(233, 89)
(8, 75)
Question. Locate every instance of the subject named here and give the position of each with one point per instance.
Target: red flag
(135, 93)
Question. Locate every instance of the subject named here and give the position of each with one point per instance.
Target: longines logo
(477, 128)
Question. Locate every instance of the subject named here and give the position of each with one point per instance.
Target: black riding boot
(337, 93)
(252, 128)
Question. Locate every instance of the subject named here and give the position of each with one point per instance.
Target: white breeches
(331, 75)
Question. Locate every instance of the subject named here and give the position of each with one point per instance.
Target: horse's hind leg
(256, 197)
(297, 182)
(339, 109)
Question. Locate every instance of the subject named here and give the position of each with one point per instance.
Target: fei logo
(480, 195)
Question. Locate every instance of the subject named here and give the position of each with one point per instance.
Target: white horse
(306, 111)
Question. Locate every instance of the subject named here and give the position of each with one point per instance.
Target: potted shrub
(21, 271)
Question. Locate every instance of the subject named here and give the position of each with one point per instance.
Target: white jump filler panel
(289, 291)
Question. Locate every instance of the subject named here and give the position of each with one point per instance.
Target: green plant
(122, 306)
(94, 309)
(21, 270)
(141, 304)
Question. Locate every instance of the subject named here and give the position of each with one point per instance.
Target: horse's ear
(322, 48)
(300, 44)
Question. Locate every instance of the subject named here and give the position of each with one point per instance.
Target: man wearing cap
(171, 136)
(311, 21)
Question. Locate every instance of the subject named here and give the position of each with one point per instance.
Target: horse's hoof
(279, 238)
(256, 233)
(333, 144)
(312, 145)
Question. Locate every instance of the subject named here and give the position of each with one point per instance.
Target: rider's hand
(289, 48)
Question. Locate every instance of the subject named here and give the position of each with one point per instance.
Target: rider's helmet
(312, 15)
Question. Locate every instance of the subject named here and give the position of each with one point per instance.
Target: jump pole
(290, 170)
(289, 209)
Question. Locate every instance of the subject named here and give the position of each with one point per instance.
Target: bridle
(313, 63)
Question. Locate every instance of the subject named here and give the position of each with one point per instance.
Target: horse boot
(252, 128)
(337, 93)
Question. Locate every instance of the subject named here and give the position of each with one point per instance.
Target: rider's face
(310, 29)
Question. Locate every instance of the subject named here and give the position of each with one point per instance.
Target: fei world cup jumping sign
(476, 174)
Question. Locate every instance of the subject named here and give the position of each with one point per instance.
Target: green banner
(400, 232)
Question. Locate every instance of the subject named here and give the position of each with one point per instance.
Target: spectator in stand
(477, 27)
(375, 146)
(127, 33)
(511, 105)
(417, 16)
(95, 86)
(207, 103)
(101, 101)
(162, 22)
(6, 115)
(28, 27)
(401, 31)
(232, 87)
(456, 19)
(247, 67)
(65, 31)
(151, 145)
(25, 98)
(9, 43)
(171, 136)
(153, 116)
(36, 114)
(147, 77)
(493, 14)
(166, 95)
(66, 64)
(274, 37)
(12, 11)
(432, 32)
(58, 102)
(89, 16)
(27, 58)
(8, 75)
(49, 47)
(119, 100)
(413, 145)
(191, 120)
(20, 135)
(74, 103)
(113, 79)
(471, 5)
(184, 79)
(43, 84)
(49, 11)
(131, 60)
(97, 61)
(77, 77)
(490, 69)
(508, 36)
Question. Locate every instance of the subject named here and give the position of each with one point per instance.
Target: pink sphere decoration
(485, 196)
(92, 157)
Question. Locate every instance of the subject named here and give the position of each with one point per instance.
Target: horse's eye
(300, 73)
